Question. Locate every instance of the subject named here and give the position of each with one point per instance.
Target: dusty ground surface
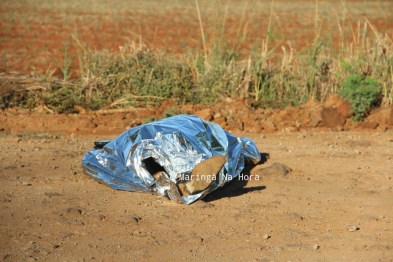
(335, 205)
(340, 181)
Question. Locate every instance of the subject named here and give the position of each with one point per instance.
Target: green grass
(272, 73)
(363, 93)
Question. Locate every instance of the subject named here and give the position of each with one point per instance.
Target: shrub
(363, 93)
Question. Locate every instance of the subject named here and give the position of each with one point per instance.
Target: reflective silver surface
(177, 144)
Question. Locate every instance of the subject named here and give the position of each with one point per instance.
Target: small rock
(352, 228)
(295, 216)
(276, 169)
(315, 119)
(131, 220)
(195, 240)
(315, 247)
(72, 212)
(266, 236)
(99, 217)
(277, 249)
(217, 115)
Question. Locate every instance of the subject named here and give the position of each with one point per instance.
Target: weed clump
(135, 77)
(363, 93)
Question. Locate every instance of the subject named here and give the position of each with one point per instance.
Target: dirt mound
(232, 115)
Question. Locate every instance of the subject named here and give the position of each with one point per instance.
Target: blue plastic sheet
(177, 144)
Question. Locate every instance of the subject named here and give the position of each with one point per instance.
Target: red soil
(37, 39)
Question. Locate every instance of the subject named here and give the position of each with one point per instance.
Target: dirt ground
(335, 205)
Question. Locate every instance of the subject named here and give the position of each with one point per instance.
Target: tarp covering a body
(177, 144)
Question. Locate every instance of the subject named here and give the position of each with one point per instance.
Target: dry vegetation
(275, 54)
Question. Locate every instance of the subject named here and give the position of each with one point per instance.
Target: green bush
(363, 93)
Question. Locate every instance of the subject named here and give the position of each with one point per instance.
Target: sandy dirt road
(335, 205)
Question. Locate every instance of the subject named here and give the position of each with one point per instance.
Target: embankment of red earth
(233, 115)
